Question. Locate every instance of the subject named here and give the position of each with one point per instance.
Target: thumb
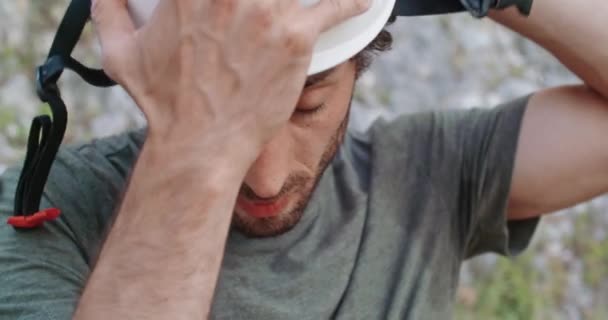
(114, 29)
(111, 18)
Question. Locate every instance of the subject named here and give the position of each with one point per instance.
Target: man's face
(280, 182)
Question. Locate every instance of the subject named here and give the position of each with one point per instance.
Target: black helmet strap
(46, 132)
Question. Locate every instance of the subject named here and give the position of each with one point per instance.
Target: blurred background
(437, 62)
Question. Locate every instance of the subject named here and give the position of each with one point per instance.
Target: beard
(297, 185)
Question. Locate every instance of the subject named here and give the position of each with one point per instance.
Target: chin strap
(46, 132)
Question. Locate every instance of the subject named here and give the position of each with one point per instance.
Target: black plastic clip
(47, 76)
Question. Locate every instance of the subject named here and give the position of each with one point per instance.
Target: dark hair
(383, 42)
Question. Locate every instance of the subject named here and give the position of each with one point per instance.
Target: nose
(268, 173)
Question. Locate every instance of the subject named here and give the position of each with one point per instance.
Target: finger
(329, 13)
(112, 21)
(284, 6)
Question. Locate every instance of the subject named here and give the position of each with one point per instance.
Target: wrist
(205, 151)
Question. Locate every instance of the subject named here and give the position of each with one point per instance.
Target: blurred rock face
(437, 62)
(454, 62)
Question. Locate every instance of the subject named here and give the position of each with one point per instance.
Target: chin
(267, 227)
(254, 227)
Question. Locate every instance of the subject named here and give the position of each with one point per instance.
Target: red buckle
(35, 220)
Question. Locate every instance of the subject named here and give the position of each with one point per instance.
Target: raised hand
(229, 69)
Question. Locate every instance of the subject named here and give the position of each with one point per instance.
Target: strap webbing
(70, 28)
(426, 7)
(46, 133)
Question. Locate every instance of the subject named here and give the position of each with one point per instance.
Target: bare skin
(291, 164)
(562, 158)
(237, 142)
(212, 99)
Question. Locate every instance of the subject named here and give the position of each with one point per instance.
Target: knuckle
(263, 15)
(297, 40)
(346, 8)
(225, 7)
(360, 6)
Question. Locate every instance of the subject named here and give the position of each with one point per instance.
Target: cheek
(309, 144)
(311, 137)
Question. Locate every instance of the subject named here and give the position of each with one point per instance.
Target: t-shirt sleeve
(459, 163)
(485, 142)
(43, 270)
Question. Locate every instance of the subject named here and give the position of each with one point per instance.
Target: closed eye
(310, 111)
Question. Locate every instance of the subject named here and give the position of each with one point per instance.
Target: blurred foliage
(594, 253)
(505, 294)
(518, 289)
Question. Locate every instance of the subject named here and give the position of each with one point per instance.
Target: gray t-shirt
(383, 237)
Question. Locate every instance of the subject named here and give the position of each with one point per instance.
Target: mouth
(261, 209)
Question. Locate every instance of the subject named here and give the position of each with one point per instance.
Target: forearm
(163, 254)
(573, 31)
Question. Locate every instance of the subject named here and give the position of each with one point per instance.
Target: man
(324, 224)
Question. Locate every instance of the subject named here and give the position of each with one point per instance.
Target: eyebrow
(318, 77)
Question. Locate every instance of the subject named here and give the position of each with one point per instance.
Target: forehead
(317, 77)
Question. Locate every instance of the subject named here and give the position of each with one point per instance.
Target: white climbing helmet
(333, 47)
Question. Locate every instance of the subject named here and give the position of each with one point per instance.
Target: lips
(261, 209)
